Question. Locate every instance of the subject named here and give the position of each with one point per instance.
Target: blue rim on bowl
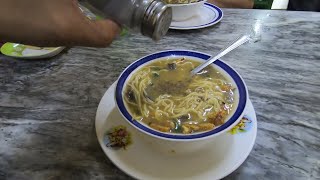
(243, 95)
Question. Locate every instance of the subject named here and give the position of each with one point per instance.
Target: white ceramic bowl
(181, 143)
(182, 12)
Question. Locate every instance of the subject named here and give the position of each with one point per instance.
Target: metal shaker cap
(156, 20)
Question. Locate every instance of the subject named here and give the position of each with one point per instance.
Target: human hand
(52, 23)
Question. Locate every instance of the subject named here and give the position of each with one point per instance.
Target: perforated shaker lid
(157, 20)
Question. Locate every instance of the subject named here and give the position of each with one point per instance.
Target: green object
(13, 50)
(124, 32)
(29, 52)
(98, 17)
(262, 4)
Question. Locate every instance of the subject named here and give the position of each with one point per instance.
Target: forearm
(233, 3)
(52, 23)
(21, 21)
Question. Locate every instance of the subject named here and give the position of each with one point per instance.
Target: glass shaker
(151, 18)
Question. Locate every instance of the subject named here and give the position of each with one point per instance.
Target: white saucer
(208, 16)
(142, 162)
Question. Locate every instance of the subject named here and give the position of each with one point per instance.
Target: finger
(97, 33)
(100, 33)
(75, 29)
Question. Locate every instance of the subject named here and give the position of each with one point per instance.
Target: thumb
(100, 33)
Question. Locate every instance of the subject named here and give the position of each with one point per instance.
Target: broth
(165, 97)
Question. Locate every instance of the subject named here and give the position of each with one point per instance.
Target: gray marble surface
(47, 107)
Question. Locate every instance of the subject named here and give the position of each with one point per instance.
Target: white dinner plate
(142, 162)
(209, 15)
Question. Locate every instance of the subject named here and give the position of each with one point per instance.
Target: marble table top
(47, 107)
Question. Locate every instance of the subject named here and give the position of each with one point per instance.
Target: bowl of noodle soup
(158, 97)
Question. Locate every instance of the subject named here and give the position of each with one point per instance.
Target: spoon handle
(223, 52)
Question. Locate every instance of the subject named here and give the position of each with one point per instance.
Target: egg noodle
(202, 97)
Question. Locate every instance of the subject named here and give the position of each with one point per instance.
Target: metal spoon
(222, 52)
